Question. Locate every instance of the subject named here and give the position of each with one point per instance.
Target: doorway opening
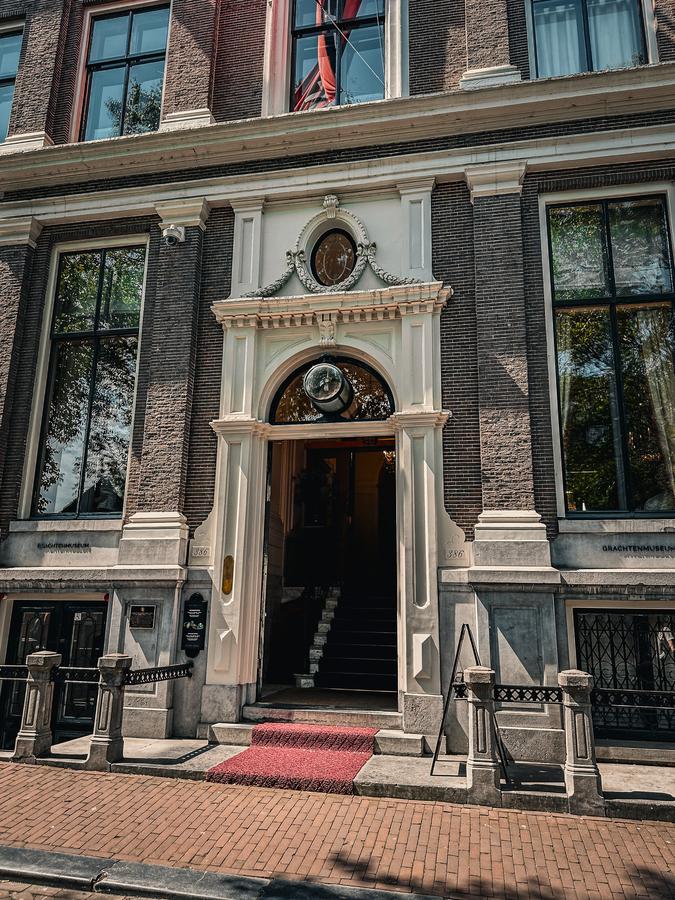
(329, 634)
(76, 630)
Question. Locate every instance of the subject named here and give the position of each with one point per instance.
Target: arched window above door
(332, 389)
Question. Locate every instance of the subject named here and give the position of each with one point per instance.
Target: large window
(338, 52)
(612, 283)
(125, 73)
(10, 48)
(82, 465)
(587, 35)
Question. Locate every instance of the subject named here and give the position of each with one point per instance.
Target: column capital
(21, 230)
(406, 421)
(493, 179)
(416, 185)
(183, 213)
(237, 426)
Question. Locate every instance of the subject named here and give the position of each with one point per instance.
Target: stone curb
(110, 876)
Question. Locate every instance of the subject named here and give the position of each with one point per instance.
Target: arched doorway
(329, 633)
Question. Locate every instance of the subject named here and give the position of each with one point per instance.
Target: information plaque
(194, 625)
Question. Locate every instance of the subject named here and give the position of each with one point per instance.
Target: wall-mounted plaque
(142, 617)
(193, 638)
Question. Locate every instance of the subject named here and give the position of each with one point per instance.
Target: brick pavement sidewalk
(432, 848)
(14, 890)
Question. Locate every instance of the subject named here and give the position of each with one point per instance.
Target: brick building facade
(467, 204)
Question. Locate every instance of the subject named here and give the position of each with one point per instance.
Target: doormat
(300, 758)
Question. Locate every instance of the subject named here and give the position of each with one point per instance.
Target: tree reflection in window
(612, 282)
(92, 374)
(372, 398)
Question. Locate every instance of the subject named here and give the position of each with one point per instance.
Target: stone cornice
(499, 178)
(511, 106)
(20, 231)
(352, 306)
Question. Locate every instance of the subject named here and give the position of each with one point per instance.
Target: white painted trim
(475, 79)
(247, 248)
(26, 141)
(24, 230)
(629, 604)
(617, 191)
(188, 118)
(277, 75)
(91, 13)
(186, 213)
(491, 179)
(620, 92)
(371, 175)
(616, 526)
(44, 353)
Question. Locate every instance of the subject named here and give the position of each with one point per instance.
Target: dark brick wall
(519, 52)
(437, 45)
(506, 449)
(487, 34)
(28, 347)
(453, 263)
(216, 278)
(192, 47)
(172, 336)
(15, 268)
(665, 29)
(237, 90)
(40, 65)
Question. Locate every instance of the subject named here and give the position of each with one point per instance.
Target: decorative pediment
(298, 260)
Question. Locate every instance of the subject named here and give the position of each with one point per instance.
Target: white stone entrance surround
(397, 331)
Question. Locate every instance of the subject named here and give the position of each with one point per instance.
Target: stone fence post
(35, 735)
(582, 777)
(482, 766)
(107, 745)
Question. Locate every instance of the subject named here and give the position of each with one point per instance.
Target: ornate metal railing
(74, 675)
(625, 712)
(631, 698)
(159, 673)
(13, 673)
(531, 693)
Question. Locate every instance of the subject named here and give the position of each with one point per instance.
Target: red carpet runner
(300, 758)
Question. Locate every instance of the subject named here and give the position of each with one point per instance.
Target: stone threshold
(111, 876)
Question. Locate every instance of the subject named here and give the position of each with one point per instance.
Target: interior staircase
(360, 647)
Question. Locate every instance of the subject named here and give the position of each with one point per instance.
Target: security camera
(173, 234)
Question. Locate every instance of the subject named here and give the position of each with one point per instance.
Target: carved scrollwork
(296, 260)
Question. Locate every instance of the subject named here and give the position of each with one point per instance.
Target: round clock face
(333, 257)
(323, 382)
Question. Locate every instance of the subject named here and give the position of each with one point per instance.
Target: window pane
(579, 253)
(144, 98)
(314, 83)
(108, 447)
(109, 38)
(104, 115)
(646, 341)
(149, 30)
(6, 94)
(616, 33)
(10, 48)
(362, 76)
(559, 38)
(122, 288)
(68, 405)
(361, 8)
(311, 12)
(77, 292)
(589, 411)
(640, 247)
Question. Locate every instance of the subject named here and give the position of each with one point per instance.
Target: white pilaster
(416, 207)
(247, 249)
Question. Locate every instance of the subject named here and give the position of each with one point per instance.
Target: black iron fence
(13, 673)
(159, 673)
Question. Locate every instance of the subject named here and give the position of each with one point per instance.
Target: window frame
(9, 29)
(41, 391)
(661, 190)
(361, 22)
(647, 26)
(278, 71)
(80, 108)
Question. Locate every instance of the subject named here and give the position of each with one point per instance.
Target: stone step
(259, 712)
(388, 741)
